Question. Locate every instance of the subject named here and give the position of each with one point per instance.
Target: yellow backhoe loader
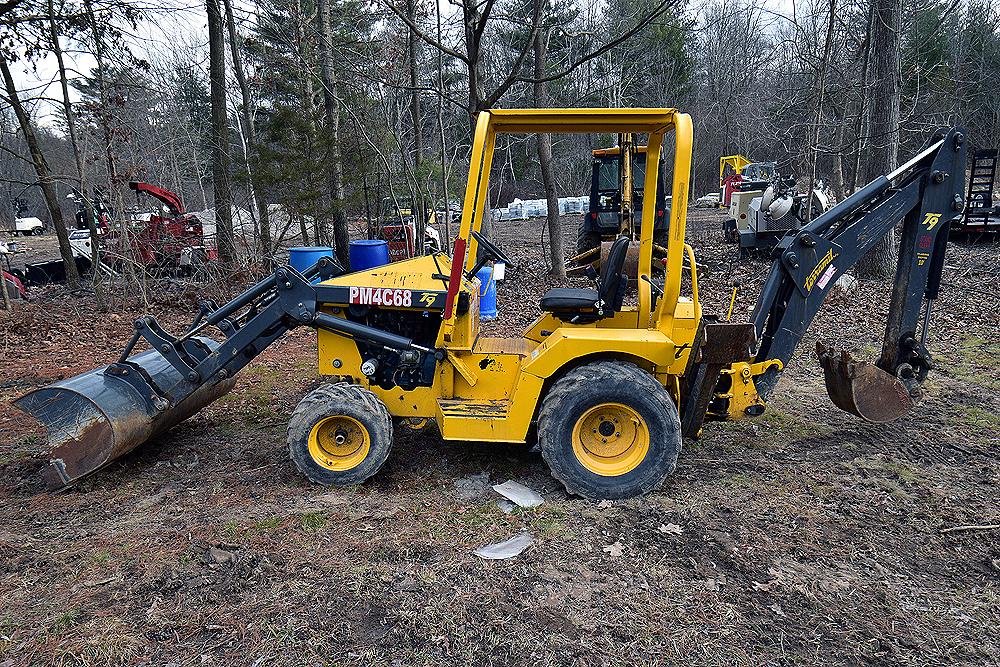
(611, 388)
(617, 184)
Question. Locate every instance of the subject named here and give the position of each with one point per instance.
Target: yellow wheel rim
(339, 443)
(610, 439)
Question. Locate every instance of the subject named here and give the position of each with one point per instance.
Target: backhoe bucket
(862, 388)
(94, 418)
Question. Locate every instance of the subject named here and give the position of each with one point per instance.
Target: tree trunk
(444, 149)
(544, 142)
(419, 206)
(250, 141)
(818, 118)
(305, 76)
(105, 114)
(884, 132)
(95, 252)
(839, 186)
(331, 112)
(221, 160)
(44, 174)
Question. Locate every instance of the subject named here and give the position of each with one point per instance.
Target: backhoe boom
(926, 194)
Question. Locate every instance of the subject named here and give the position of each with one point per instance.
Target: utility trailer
(982, 208)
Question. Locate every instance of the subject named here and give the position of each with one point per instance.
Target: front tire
(609, 430)
(339, 435)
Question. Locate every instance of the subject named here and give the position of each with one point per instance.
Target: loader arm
(926, 194)
(95, 418)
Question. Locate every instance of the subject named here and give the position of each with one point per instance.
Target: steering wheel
(491, 249)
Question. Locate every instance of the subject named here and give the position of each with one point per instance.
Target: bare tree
(249, 127)
(544, 145)
(46, 179)
(331, 114)
(221, 160)
(884, 126)
(70, 118)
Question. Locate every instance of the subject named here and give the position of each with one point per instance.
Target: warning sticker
(825, 278)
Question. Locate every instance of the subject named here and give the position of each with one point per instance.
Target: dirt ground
(803, 537)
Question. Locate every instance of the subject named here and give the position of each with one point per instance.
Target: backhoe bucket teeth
(94, 418)
(862, 388)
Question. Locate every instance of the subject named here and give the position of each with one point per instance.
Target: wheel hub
(339, 442)
(611, 439)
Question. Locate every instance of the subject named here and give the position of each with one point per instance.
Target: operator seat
(580, 306)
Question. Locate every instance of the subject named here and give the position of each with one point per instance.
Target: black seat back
(613, 282)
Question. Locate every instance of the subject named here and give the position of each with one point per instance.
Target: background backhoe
(609, 387)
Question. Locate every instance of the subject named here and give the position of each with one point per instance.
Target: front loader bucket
(862, 388)
(94, 418)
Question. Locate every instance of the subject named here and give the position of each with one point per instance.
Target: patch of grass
(906, 473)
(23, 449)
(101, 557)
(234, 532)
(788, 426)
(975, 361)
(32, 440)
(231, 532)
(737, 479)
(66, 620)
(254, 399)
(549, 520)
(976, 417)
(266, 525)
(478, 517)
(822, 490)
(312, 522)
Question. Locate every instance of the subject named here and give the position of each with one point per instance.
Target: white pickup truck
(29, 226)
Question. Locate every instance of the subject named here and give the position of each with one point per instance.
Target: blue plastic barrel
(487, 293)
(302, 258)
(368, 253)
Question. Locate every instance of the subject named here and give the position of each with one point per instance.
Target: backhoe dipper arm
(926, 194)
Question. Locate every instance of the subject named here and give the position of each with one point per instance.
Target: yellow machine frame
(489, 389)
(737, 162)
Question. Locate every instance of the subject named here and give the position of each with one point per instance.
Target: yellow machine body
(489, 389)
(734, 162)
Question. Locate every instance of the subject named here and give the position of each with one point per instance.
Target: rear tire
(38, 231)
(586, 240)
(609, 430)
(339, 435)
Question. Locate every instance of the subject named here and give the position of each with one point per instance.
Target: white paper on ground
(507, 548)
(519, 494)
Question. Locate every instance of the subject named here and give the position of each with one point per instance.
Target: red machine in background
(168, 239)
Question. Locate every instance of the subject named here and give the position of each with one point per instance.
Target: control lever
(656, 289)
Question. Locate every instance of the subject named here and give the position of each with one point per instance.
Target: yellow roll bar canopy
(654, 122)
(737, 162)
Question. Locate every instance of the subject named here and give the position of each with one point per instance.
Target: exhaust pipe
(98, 416)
